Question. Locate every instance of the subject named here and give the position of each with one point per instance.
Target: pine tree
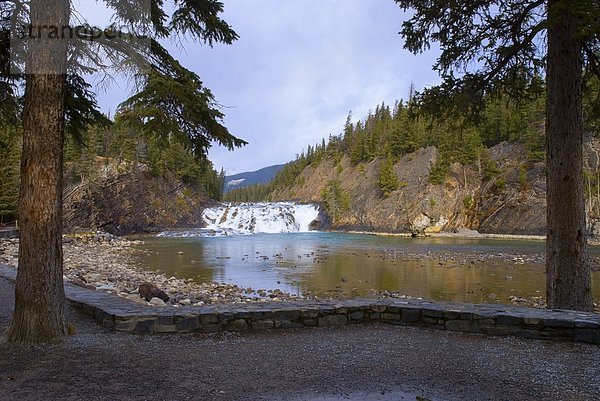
(335, 200)
(388, 181)
(10, 153)
(348, 133)
(497, 47)
(172, 100)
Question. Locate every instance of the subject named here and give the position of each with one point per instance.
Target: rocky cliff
(131, 200)
(512, 201)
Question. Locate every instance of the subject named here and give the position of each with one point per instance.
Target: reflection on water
(461, 270)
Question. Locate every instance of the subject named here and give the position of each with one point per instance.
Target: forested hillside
(123, 145)
(420, 171)
(394, 131)
(115, 152)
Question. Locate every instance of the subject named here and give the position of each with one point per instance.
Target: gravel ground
(367, 362)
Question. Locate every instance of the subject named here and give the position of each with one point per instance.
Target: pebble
(157, 302)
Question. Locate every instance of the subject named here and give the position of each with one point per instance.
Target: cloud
(298, 68)
(309, 63)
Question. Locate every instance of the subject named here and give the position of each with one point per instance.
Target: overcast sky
(297, 69)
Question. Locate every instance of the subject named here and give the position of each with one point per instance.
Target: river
(326, 264)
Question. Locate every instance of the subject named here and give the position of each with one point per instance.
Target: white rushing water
(253, 218)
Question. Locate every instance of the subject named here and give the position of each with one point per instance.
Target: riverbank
(477, 256)
(463, 233)
(104, 262)
(107, 263)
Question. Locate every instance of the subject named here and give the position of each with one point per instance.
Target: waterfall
(253, 218)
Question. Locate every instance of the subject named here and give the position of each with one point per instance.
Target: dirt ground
(366, 362)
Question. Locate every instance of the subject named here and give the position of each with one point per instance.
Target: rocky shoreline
(462, 233)
(104, 262)
(475, 256)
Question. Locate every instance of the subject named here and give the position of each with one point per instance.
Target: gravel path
(370, 362)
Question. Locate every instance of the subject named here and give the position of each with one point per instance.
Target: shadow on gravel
(360, 362)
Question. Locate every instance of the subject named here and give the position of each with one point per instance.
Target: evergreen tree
(172, 100)
(10, 153)
(335, 200)
(348, 133)
(495, 47)
(402, 137)
(388, 181)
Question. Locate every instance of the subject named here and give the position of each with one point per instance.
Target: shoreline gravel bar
(122, 315)
(103, 262)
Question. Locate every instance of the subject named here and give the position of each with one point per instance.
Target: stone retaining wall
(9, 233)
(122, 315)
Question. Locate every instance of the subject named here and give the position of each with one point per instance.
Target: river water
(347, 265)
(268, 246)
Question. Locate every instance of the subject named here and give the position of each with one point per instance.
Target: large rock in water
(149, 291)
(322, 222)
(314, 225)
(423, 224)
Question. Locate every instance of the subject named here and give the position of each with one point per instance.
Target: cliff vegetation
(401, 170)
(120, 179)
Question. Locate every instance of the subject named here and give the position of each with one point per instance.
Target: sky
(297, 70)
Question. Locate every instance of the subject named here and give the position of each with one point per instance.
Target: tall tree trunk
(568, 283)
(39, 293)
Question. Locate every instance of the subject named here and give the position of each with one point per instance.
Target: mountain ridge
(245, 179)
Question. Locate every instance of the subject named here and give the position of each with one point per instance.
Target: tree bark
(39, 294)
(568, 282)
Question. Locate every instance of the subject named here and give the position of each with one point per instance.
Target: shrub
(335, 200)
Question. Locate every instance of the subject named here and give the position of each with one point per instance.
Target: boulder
(321, 222)
(314, 225)
(157, 302)
(419, 224)
(81, 283)
(149, 291)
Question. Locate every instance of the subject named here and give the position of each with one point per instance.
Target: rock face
(322, 222)
(133, 201)
(510, 202)
(514, 203)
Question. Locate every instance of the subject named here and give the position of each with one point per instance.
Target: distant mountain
(242, 180)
